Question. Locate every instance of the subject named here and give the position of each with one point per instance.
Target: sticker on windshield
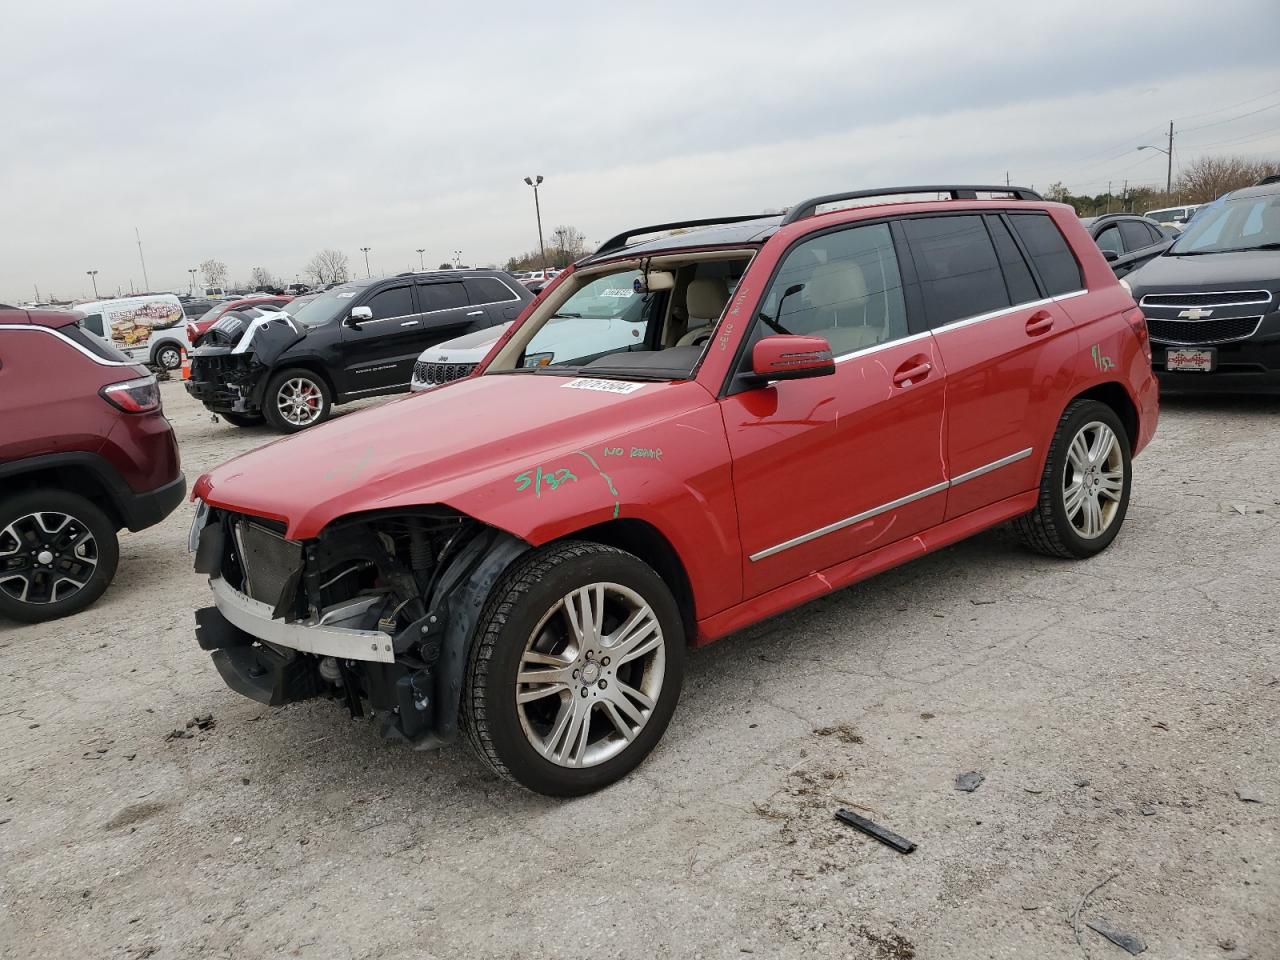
(604, 386)
(617, 292)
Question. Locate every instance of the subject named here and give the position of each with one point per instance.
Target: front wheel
(296, 399)
(58, 553)
(1084, 490)
(576, 669)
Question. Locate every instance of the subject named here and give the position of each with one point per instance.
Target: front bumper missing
(323, 638)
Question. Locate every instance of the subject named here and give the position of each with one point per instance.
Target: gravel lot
(1118, 709)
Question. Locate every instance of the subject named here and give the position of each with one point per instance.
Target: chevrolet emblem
(1195, 313)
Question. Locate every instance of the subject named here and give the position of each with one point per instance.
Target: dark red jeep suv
(84, 451)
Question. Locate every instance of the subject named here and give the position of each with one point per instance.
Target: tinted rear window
(488, 290)
(1017, 275)
(1135, 234)
(959, 273)
(441, 296)
(1049, 250)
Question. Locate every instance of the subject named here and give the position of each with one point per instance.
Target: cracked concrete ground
(1115, 708)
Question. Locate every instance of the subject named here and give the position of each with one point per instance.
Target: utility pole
(192, 271)
(421, 251)
(1124, 199)
(1108, 196)
(1168, 177)
(145, 282)
(93, 275)
(365, 251)
(1006, 178)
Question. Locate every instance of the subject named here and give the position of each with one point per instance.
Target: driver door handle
(410, 323)
(905, 376)
(475, 313)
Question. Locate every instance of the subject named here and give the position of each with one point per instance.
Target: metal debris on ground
(1075, 916)
(1125, 941)
(874, 830)
(969, 782)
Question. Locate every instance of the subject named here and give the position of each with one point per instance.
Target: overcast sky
(260, 132)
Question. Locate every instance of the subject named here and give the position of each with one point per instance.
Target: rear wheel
(167, 356)
(1084, 490)
(576, 669)
(296, 399)
(58, 553)
(243, 419)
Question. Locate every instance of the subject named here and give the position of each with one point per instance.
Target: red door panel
(1006, 377)
(811, 457)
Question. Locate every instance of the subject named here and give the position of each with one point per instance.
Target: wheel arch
(74, 475)
(1113, 394)
(641, 538)
(310, 364)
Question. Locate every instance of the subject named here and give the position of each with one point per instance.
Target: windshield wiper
(1200, 253)
(576, 316)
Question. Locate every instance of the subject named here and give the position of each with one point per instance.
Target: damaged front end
(229, 368)
(377, 611)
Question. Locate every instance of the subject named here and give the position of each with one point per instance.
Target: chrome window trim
(891, 505)
(1202, 293)
(101, 361)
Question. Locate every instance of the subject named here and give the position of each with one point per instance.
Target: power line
(1247, 138)
(1261, 96)
(1218, 123)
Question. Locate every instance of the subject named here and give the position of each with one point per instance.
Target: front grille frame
(1200, 333)
(436, 373)
(1211, 298)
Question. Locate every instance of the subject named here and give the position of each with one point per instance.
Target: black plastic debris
(871, 829)
(969, 782)
(1125, 941)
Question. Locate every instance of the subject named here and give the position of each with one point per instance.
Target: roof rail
(1268, 179)
(809, 207)
(620, 241)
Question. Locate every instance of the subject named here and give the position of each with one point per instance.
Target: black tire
(47, 583)
(1047, 529)
(527, 594)
(167, 356)
(243, 419)
(271, 399)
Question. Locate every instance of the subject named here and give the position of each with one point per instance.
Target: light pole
(421, 251)
(365, 251)
(93, 275)
(537, 207)
(192, 271)
(457, 258)
(1168, 177)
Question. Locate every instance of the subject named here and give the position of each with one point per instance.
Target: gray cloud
(260, 132)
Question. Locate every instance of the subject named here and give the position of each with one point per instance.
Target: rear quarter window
(1049, 251)
(959, 274)
(488, 290)
(91, 344)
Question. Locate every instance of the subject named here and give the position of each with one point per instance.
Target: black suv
(359, 339)
(1212, 301)
(1127, 240)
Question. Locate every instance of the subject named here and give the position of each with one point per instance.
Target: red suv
(795, 403)
(84, 451)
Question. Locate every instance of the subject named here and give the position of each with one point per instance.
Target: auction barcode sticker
(604, 386)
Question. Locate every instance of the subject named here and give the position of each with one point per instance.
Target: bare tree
(1208, 178)
(569, 241)
(328, 266)
(215, 273)
(261, 277)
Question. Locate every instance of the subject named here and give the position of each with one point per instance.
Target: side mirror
(791, 357)
(1108, 255)
(360, 314)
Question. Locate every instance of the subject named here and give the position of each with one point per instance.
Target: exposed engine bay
(400, 584)
(234, 357)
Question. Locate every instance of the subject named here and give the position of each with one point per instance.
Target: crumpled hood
(435, 447)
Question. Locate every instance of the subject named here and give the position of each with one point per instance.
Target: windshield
(326, 306)
(1249, 223)
(606, 316)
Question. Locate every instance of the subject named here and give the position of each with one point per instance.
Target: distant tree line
(565, 245)
(1202, 180)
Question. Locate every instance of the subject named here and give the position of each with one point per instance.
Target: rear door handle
(1040, 322)
(905, 376)
(410, 323)
(475, 313)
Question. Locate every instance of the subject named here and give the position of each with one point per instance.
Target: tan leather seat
(705, 300)
(839, 296)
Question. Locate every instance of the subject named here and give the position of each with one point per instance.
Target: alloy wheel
(1093, 481)
(46, 557)
(590, 675)
(299, 401)
(169, 358)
